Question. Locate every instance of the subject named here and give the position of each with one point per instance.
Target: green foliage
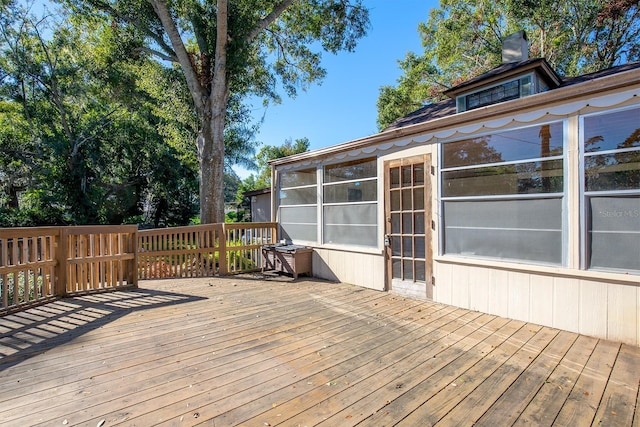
(83, 138)
(271, 45)
(463, 38)
(266, 154)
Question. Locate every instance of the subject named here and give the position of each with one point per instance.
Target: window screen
(611, 156)
(297, 205)
(350, 196)
(502, 195)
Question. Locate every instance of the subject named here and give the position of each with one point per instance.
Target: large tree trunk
(211, 158)
(213, 123)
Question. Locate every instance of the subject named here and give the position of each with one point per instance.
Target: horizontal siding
(588, 306)
(361, 269)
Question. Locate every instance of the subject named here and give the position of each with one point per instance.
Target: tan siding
(541, 295)
(595, 307)
(565, 303)
(362, 269)
(623, 312)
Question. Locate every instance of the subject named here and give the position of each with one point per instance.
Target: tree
(463, 39)
(230, 48)
(80, 135)
(266, 154)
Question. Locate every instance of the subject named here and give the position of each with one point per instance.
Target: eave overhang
(577, 92)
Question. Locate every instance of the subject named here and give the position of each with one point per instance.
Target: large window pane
(298, 196)
(299, 223)
(349, 171)
(529, 229)
(356, 235)
(364, 191)
(612, 131)
(298, 178)
(520, 144)
(351, 224)
(619, 171)
(521, 178)
(615, 232)
(351, 214)
(613, 229)
(299, 232)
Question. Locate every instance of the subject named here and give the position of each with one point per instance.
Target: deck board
(264, 351)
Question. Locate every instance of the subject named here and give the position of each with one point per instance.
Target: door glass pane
(408, 269)
(418, 174)
(420, 271)
(407, 223)
(418, 198)
(395, 246)
(395, 200)
(407, 247)
(419, 223)
(406, 176)
(396, 268)
(419, 248)
(406, 200)
(395, 223)
(395, 177)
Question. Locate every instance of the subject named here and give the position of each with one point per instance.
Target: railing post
(60, 286)
(133, 271)
(222, 248)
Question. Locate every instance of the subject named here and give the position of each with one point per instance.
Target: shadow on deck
(264, 351)
(35, 331)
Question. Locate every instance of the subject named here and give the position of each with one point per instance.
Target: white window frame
(585, 220)
(322, 205)
(562, 196)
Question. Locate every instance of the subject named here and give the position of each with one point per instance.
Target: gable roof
(506, 71)
(448, 106)
(441, 115)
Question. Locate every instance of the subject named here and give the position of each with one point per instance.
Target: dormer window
(506, 91)
(517, 77)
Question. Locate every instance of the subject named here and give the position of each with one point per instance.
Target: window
(507, 91)
(611, 162)
(502, 195)
(298, 205)
(350, 195)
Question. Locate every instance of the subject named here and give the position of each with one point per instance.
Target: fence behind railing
(39, 264)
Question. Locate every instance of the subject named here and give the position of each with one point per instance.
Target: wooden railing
(197, 251)
(98, 257)
(28, 261)
(39, 264)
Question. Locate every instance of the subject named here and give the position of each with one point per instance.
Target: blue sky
(343, 107)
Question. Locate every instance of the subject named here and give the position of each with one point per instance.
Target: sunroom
(518, 196)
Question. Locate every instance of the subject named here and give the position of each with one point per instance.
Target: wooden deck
(255, 351)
